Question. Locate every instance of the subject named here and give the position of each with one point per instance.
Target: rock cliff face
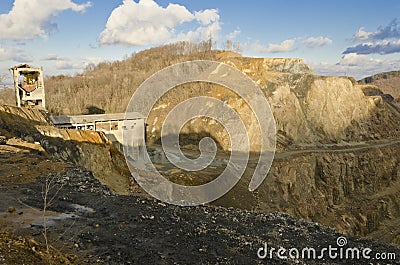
(338, 159)
(85, 148)
(308, 109)
(354, 191)
(388, 82)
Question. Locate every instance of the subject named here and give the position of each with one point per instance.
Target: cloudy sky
(336, 37)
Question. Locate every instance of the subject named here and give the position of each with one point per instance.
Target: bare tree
(3, 77)
(50, 191)
(110, 85)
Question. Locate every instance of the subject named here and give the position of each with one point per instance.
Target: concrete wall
(115, 126)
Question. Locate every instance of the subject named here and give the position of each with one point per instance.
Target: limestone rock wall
(308, 109)
(356, 192)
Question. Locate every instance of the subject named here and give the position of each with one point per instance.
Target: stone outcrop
(338, 147)
(338, 150)
(388, 82)
(385, 85)
(356, 192)
(308, 109)
(89, 149)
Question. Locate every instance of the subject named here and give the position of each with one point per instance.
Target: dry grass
(24, 250)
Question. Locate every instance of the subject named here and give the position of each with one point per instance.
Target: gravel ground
(99, 227)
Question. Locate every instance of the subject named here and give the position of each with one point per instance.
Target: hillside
(336, 164)
(91, 224)
(108, 86)
(337, 145)
(305, 106)
(388, 82)
(308, 109)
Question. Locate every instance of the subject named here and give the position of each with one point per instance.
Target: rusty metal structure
(29, 86)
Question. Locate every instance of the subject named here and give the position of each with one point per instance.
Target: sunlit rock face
(308, 109)
(330, 167)
(334, 181)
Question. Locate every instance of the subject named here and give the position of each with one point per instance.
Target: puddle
(50, 221)
(31, 217)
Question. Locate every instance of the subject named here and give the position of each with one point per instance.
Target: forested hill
(108, 86)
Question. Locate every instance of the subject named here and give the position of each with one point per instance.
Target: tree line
(108, 86)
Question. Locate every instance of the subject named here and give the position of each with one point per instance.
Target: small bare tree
(2, 78)
(49, 192)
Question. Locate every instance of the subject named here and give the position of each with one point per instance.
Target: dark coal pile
(110, 229)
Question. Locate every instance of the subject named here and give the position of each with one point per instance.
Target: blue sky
(341, 37)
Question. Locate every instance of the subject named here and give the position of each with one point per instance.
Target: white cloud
(14, 54)
(74, 65)
(390, 31)
(377, 47)
(3, 54)
(50, 57)
(146, 23)
(68, 65)
(353, 59)
(22, 57)
(29, 19)
(201, 33)
(358, 66)
(384, 40)
(233, 35)
(361, 34)
(291, 44)
(207, 16)
(92, 60)
(284, 46)
(313, 42)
